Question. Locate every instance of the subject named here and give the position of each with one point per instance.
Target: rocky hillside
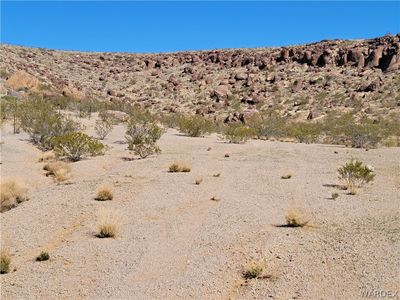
(301, 81)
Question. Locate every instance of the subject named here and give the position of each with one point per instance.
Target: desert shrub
(44, 255)
(304, 132)
(227, 155)
(10, 109)
(59, 169)
(269, 125)
(142, 137)
(237, 133)
(12, 192)
(103, 128)
(42, 122)
(355, 174)
(104, 193)
(255, 269)
(198, 180)
(108, 224)
(334, 195)
(295, 218)
(5, 262)
(74, 146)
(195, 126)
(179, 167)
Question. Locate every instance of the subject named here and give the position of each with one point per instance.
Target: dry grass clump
(217, 174)
(59, 169)
(44, 255)
(12, 192)
(295, 218)
(47, 156)
(108, 225)
(198, 180)
(179, 167)
(227, 155)
(287, 176)
(5, 261)
(255, 269)
(104, 193)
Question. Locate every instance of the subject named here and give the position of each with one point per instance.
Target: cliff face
(329, 75)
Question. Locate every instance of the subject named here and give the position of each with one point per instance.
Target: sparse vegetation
(104, 193)
(355, 174)
(198, 181)
(295, 218)
(255, 269)
(227, 155)
(43, 122)
(179, 167)
(59, 169)
(77, 145)
(12, 192)
(44, 255)
(5, 262)
(334, 195)
(103, 128)
(286, 176)
(108, 224)
(237, 133)
(217, 174)
(195, 126)
(142, 136)
(213, 198)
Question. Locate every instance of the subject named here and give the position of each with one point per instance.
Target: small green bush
(44, 255)
(142, 136)
(103, 128)
(304, 132)
(74, 146)
(195, 126)
(237, 133)
(355, 174)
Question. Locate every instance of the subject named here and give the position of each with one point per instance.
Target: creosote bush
(103, 128)
(195, 126)
(179, 167)
(104, 193)
(237, 133)
(142, 136)
(355, 174)
(5, 262)
(42, 122)
(12, 192)
(77, 145)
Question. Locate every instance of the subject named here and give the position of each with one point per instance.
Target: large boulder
(220, 93)
(22, 80)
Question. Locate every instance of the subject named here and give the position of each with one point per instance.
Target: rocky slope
(299, 81)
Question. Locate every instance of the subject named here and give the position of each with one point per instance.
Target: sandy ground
(175, 243)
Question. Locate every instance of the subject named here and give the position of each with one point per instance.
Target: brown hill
(320, 77)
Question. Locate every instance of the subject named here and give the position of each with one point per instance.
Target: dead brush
(5, 261)
(12, 192)
(295, 218)
(60, 170)
(256, 269)
(107, 223)
(104, 193)
(179, 167)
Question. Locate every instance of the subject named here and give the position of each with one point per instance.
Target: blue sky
(175, 26)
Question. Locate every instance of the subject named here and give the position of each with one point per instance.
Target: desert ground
(174, 242)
